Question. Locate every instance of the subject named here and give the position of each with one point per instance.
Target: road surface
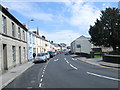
(63, 71)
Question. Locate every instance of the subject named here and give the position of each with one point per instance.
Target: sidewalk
(11, 74)
(97, 61)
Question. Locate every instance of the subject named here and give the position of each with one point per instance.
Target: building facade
(13, 42)
(82, 45)
(30, 44)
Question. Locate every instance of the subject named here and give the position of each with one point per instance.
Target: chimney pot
(6, 9)
(24, 25)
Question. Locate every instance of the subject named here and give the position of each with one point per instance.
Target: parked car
(54, 53)
(51, 54)
(66, 53)
(41, 57)
(47, 55)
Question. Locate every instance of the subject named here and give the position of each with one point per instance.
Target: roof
(8, 14)
(82, 36)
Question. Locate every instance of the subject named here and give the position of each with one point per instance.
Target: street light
(29, 22)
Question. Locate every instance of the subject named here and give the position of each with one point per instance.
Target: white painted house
(13, 41)
(82, 45)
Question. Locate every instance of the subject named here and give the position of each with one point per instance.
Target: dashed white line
(43, 70)
(42, 76)
(41, 80)
(74, 59)
(70, 64)
(56, 60)
(40, 84)
(67, 61)
(73, 66)
(103, 76)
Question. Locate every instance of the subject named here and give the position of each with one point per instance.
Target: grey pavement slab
(99, 61)
(11, 74)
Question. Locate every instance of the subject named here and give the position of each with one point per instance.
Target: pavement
(11, 74)
(97, 61)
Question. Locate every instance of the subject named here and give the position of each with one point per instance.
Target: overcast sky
(60, 21)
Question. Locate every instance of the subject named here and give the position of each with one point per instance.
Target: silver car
(41, 57)
(47, 55)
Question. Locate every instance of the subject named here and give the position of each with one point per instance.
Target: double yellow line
(98, 65)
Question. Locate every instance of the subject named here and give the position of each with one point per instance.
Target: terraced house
(13, 42)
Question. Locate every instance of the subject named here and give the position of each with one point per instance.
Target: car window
(40, 54)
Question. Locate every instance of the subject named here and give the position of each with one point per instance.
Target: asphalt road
(62, 71)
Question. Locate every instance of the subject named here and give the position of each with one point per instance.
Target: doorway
(20, 55)
(5, 66)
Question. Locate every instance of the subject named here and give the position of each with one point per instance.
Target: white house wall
(10, 41)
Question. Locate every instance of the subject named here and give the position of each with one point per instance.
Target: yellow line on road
(98, 65)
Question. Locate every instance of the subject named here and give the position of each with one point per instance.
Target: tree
(106, 31)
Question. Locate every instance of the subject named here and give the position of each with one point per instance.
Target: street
(62, 71)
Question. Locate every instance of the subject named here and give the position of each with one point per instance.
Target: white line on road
(103, 76)
(41, 80)
(56, 60)
(67, 61)
(74, 59)
(43, 70)
(73, 66)
(40, 84)
(70, 64)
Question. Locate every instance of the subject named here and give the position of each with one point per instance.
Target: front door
(5, 57)
(20, 55)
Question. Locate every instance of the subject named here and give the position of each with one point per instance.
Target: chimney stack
(6, 8)
(24, 25)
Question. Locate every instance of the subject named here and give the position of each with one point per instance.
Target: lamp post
(29, 22)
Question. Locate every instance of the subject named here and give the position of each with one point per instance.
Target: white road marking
(56, 60)
(67, 61)
(103, 76)
(40, 84)
(74, 59)
(70, 64)
(73, 66)
(43, 70)
(41, 80)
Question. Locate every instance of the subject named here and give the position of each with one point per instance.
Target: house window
(13, 29)
(14, 53)
(4, 25)
(78, 46)
(19, 34)
(23, 35)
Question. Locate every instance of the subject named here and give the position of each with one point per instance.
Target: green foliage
(106, 31)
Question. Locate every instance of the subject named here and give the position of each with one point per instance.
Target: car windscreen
(40, 54)
(50, 52)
